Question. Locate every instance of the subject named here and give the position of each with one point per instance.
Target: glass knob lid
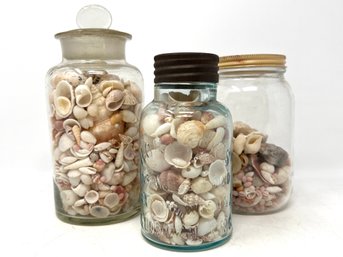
(93, 16)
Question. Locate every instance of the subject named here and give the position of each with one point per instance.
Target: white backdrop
(308, 32)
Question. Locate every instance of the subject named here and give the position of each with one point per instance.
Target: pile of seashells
(94, 122)
(185, 168)
(261, 172)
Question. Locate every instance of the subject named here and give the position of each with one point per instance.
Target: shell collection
(186, 193)
(94, 122)
(261, 172)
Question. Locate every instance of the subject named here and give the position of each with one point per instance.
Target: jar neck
(185, 92)
(255, 71)
(92, 47)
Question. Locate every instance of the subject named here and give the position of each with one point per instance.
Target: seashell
(158, 208)
(82, 210)
(108, 129)
(265, 166)
(80, 189)
(206, 226)
(207, 209)
(77, 134)
(150, 123)
(91, 196)
(207, 196)
(136, 91)
(129, 165)
(92, 110)
(218, 137)
(192, 199)
(206, 117)
(129, 177)
(190, 218)
(79, 112)
(80, 202)
(64, 99)
(68, 197)
(204, 158)
(178, 200)
(87, 170)
(88, 137)
(174, 126)
(67, 160)
(178, 155)
(102, 146)
(178, 224)
(252, 144)
(86, 123)
(155, 160)
(81, 153)
(282, 175)
(65, 143)
(217, 172)
(251, 202)
(207, 138)
(129, 98)
(184, 187)
(242, 128)
(86, 179)
(190, 133)
(161, 130)
(216, 122)
(193, 242)
(274, 189)
(72, 77)
(245, 159)
(170, 180)
(74, 177)
(81, 163)
(239, 144)
(106, 156)
(99, 165)
(108, 171)
(193, 96)
(68, 125)
(201, 185)
(113, 84)
(120, 156)
(111, 200)
(131, 132)
(221, 223)
(236, 163)
(128, 116)
(219, 151)
(83, 96)
(274, 154)
(166, 139)
(191, 172)
(99, 211)
(114, 100)
(129, 153)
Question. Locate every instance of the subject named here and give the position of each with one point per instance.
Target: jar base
(86, 221)
(187, 248)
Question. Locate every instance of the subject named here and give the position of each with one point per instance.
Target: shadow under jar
(185, 137)
(253, 87)
(95, 99)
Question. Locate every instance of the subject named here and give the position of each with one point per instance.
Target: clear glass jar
(253, 87)
(95, 100)
(185, 137)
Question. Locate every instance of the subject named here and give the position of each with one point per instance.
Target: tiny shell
(274, 189)
(239, 143)
(99, 211)
(253, 143)
(81, 163)
(150, 123)
(158, 208)
(102, 146)
(79, 112)
(206, 226)
(201, 185)
(191, 172)
(184, 187)
(83, 95)
(68, 160)
(192, 199)
(207, 209)
(88, 137)
(120, 156)
(178, 155)
(219, 121)
(155, 160)
(163, 129)
(91, 196)
(129, 177)
(111, 200)
(81, 189)
(190, 218)
(217, 172)
(218, 137)
(68, 197)
(170, 180)
(128, 116)
(87, 170)
(114, 100)
(190, 133)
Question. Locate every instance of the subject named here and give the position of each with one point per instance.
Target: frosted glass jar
(185, 138)
(253, 87)
(95, 98)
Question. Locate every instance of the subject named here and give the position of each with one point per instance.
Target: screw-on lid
(252, 60)
(186, 67)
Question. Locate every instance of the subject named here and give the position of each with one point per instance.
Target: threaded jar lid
(186, 67)
(252, 60)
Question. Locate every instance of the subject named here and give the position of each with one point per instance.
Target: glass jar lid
(252, 60)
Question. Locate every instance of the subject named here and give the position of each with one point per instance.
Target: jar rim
(252, 60)
(93, 32)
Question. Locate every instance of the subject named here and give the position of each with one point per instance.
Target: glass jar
(253, 87)
(95, 101)
(185, 138)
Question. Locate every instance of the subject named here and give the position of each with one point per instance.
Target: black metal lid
(186, 67)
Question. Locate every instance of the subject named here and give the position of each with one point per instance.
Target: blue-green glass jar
(185, 139)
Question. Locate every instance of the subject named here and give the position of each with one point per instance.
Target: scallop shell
(201, 185)
(114, 100)
(156, 161)
(178, 155)
(216, 122)
(83, 95)
(170, 180)
(218, 137)
(99, 211)
(91, 196)
(158, 208)
(190, 133)
(217, 172)
(207, 209)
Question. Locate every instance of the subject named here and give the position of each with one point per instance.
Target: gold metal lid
(252, 60)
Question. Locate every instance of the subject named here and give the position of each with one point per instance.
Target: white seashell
(190, 133)
(191, 172)
(63, 106)
(150, 123)
(65, 143)
(131, 131)
(158, 208)
(184, 187)
(114, 99)
(80, 154)
(219, 151)
(207, 209)
(129, 153)
(201, 185)
(129, 177)
(268, 177)
(174, 126)
(108, 171)
(239, 143)
(88, 170)
(79, 112)
(128, 116)
(88, 137)
(99, 211)
(161, 130)
(217, 172)
(64, 99)
(206, 226)
(68, 160)
(265, 166)
(83, 96)
(102, 146)
(192, 199)
(80, 189)
(253, 143)
(219, 121)
(74, 177)
(106, 156)
(207, 138)
(93, 110)
(68, 197)
(274, 189)
(178, 200)
(155, 160)
(178, 155)
(81, 163)
(80, 202)
(193, 242)
(86, 179)
(120, 156)
(190, 218)
(282, 174)
(91, 196)
(113, 84)
(177, 239)
(236, 163)
(218, 137)
(111, 200)
(84, 210)
(221, 223)
(208, 196)
(178, 225)
(86, 123)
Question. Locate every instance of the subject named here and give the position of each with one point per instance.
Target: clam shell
(178, 155)
(190, 133)
(217, 172)
(158, 208)
(190, 218)
(206, 226)
(91, 197)
(216, 122)
(150, 123)
(170, 180)
(191, 172)
(83, 95)
(218, 137)
(207, 209)
(65, 143)
(99, 211)
(111, 200)
(201, 185)
(155, 160)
